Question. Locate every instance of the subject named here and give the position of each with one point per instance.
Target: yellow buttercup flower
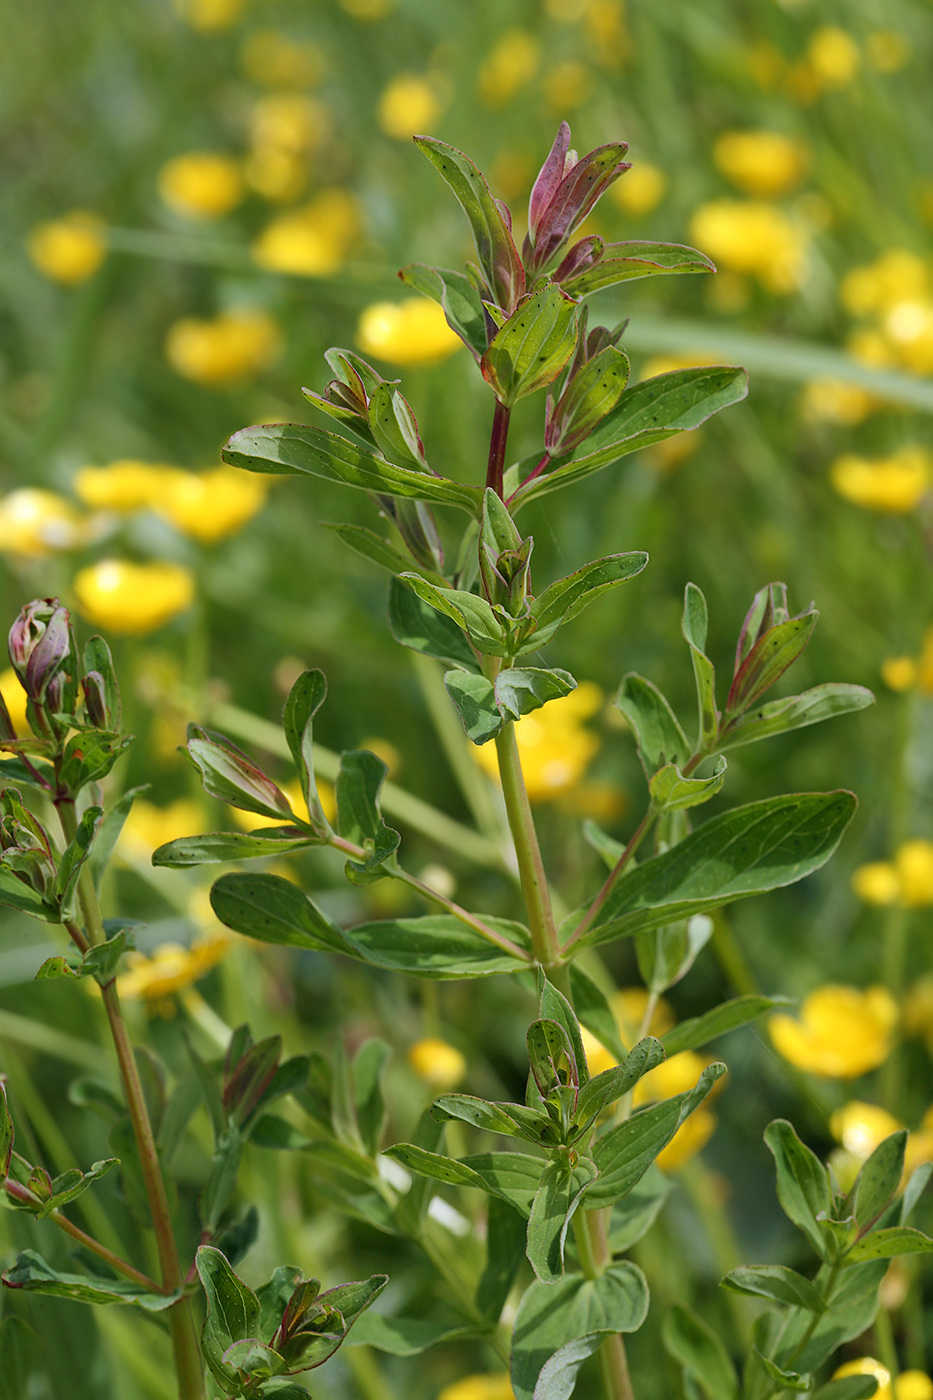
(201, 185)
(907, 880)
(861, 1127)
(14, 697)
(554, 746)
(761, 163)
(640, 190)
(905, 672)
(489, 1386)
(288, 122)
(213, 504)
(276, 174)
(510, 66)
(754, 238)
(876, 883)
(68, 250)
(234, 346)
(895, 484)
(133, 598)
(910, 1385)
(409, 332)
(209, 15)
(34, 523)
(125, 485)
(272, 58)
(439, 1065)
(409, 105)
(835, 401)
(313, 241)
(841, 1033)
(898, 275)
(171, 967)
(833, 57)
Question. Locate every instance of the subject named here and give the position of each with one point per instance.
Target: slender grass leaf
(750, 850)
(296, 449)
(701, 1353)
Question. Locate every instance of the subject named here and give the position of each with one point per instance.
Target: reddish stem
(497, 441)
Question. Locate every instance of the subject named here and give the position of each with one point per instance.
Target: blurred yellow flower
(841, 1032)
(272, 58)
(918, 1003)
(752, 237)
(908, 880)
(510, 66)
(409, 332)
(640, 190)
(125, 485)
(439, 1065)
(409, 105)
(34, 522)
(209, 15)
(133, 598)
(149, 826)
(313, 241)
(287, 122)
(762, 163)
(567, 85)
(910, 1385)
(235, 345)
(276, 174)
(490, 1386)
(835, 401)
(833, 57)
(905, 672)
(676, 1076)
(887, 50)
(861, 1127)
(870, 347)
(201, 184)
(896, 276)
(605, 28)
(171, 968)
(896, 483)
(210, 505)
(69, 249)
(14, 697)
(554, 746)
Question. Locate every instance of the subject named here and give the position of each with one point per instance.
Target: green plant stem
(544, 941)
(180, 1316)
(639, 834)
(589, 1231)
(365, 1370)
(801, 1346)
(731, 958)
(887, 1350)
(25, 1196)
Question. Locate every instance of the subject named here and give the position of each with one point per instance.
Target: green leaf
(591, 391)
(691, 1342)
(395, 430)
(373, 547)
(97, 658)
(215, 847)
(227, 774)
(551, 1316)
(419, 626)
(554, 1006)
(89, 757)
(512, 1176)
(305, 698)
(472, 614)
(656, 728)
(254, 1358)
(852, 1306)
(461, 302)
(232, 1311)
(595, 1012)
(666, 954)
(672, 792)
(358, 816)
(368, 1064)
(887, 1244)
(556, 1199)
(31, 1273)
(613, 1083)
(750, 850)
(786, 1380)
(273, 910)
(776, 1282)
(484, 707)
(623, 262)
(802, 1182)
(436, 945)
(73, 860)
(878, 1180)
(505, 1250)
(694, 627)
(100, 961)
(533, 346)
(558, 1377)
(498, 255)
(513, 1119)
(728, 1016)
(296, 449)
(409, 1336)
(567, 597)
(633, 1216)
(768, 659)
(646, 413)
(550, 1057)
(624, 1154)
(795, 712)
(915, 1187)
(7, 1134)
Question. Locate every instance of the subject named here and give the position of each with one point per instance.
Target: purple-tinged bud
(582, 256)
(28, 631)
(770, 641)
(246, 1082)
(564, 193)
(95, 700)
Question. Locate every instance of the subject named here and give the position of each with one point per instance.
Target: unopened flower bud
(564, 193)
